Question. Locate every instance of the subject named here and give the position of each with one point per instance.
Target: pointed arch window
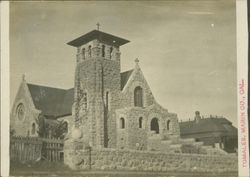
(138, 97)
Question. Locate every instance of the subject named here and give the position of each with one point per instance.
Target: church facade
(106, 108)
(110, 107)
(114, 109)
(113, 113)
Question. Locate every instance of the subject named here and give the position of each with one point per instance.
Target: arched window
(20, 111)
(154, 126)
(138, 100)
(89, 50)
(111, 52)
(33, 130)
(83, 53)
(103, 50)
(140, 122)
(122, 123)
(168, 125)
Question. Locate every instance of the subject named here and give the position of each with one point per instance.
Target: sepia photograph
(123, 88)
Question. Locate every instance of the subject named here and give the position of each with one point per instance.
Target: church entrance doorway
(154, 126)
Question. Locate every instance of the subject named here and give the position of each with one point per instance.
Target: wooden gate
(52, 149)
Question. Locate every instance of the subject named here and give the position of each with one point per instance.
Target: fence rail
(35, 149)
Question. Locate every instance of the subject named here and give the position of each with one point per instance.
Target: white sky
(187, 49)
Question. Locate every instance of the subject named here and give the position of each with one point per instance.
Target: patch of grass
(58, 169)
(41, 166)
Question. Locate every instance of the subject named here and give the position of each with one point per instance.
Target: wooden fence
(52, 149)
(35, 149)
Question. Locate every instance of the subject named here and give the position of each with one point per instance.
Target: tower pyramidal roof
(101, 36)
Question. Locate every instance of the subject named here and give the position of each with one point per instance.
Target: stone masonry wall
(136, 79)
(110, 159)
(134, 137)
(100, 79)
(24, 127)
(111, 80)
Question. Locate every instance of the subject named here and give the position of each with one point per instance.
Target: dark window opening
(122, 123)
(103, 50)
(168, 125)
(107, 100)
(154, 126)
(33, 131)
(61, 156)
(140, 122)
(83, 53)
(89, 51)
(138, 100)
(111, 52)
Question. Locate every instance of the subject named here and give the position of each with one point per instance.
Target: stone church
(106, 108)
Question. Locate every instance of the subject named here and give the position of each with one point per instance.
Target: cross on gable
(98, 26)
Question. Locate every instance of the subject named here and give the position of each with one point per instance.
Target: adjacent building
(213, 130)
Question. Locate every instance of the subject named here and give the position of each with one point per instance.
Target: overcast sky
(187, 49)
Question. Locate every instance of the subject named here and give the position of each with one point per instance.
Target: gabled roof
(124, 77)
(206, 125)
(57, 102)
(53, 102)
(101, 36)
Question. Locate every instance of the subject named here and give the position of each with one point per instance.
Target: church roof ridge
(46, 86)
(49, 100)
(54, 101)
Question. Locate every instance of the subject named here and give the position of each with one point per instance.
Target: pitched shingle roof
(53, 102)
(56, 102)
(124, 77)
(96, 34)
(206, 125)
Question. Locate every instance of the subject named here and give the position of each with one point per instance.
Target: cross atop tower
(23, 77)
(98, 26)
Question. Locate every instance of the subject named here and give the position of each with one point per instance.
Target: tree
(41, 125)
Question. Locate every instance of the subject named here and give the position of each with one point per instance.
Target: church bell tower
(97, 84)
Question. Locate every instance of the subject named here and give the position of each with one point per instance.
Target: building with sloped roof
(52, 103)
(213, 131)
(106, 108)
